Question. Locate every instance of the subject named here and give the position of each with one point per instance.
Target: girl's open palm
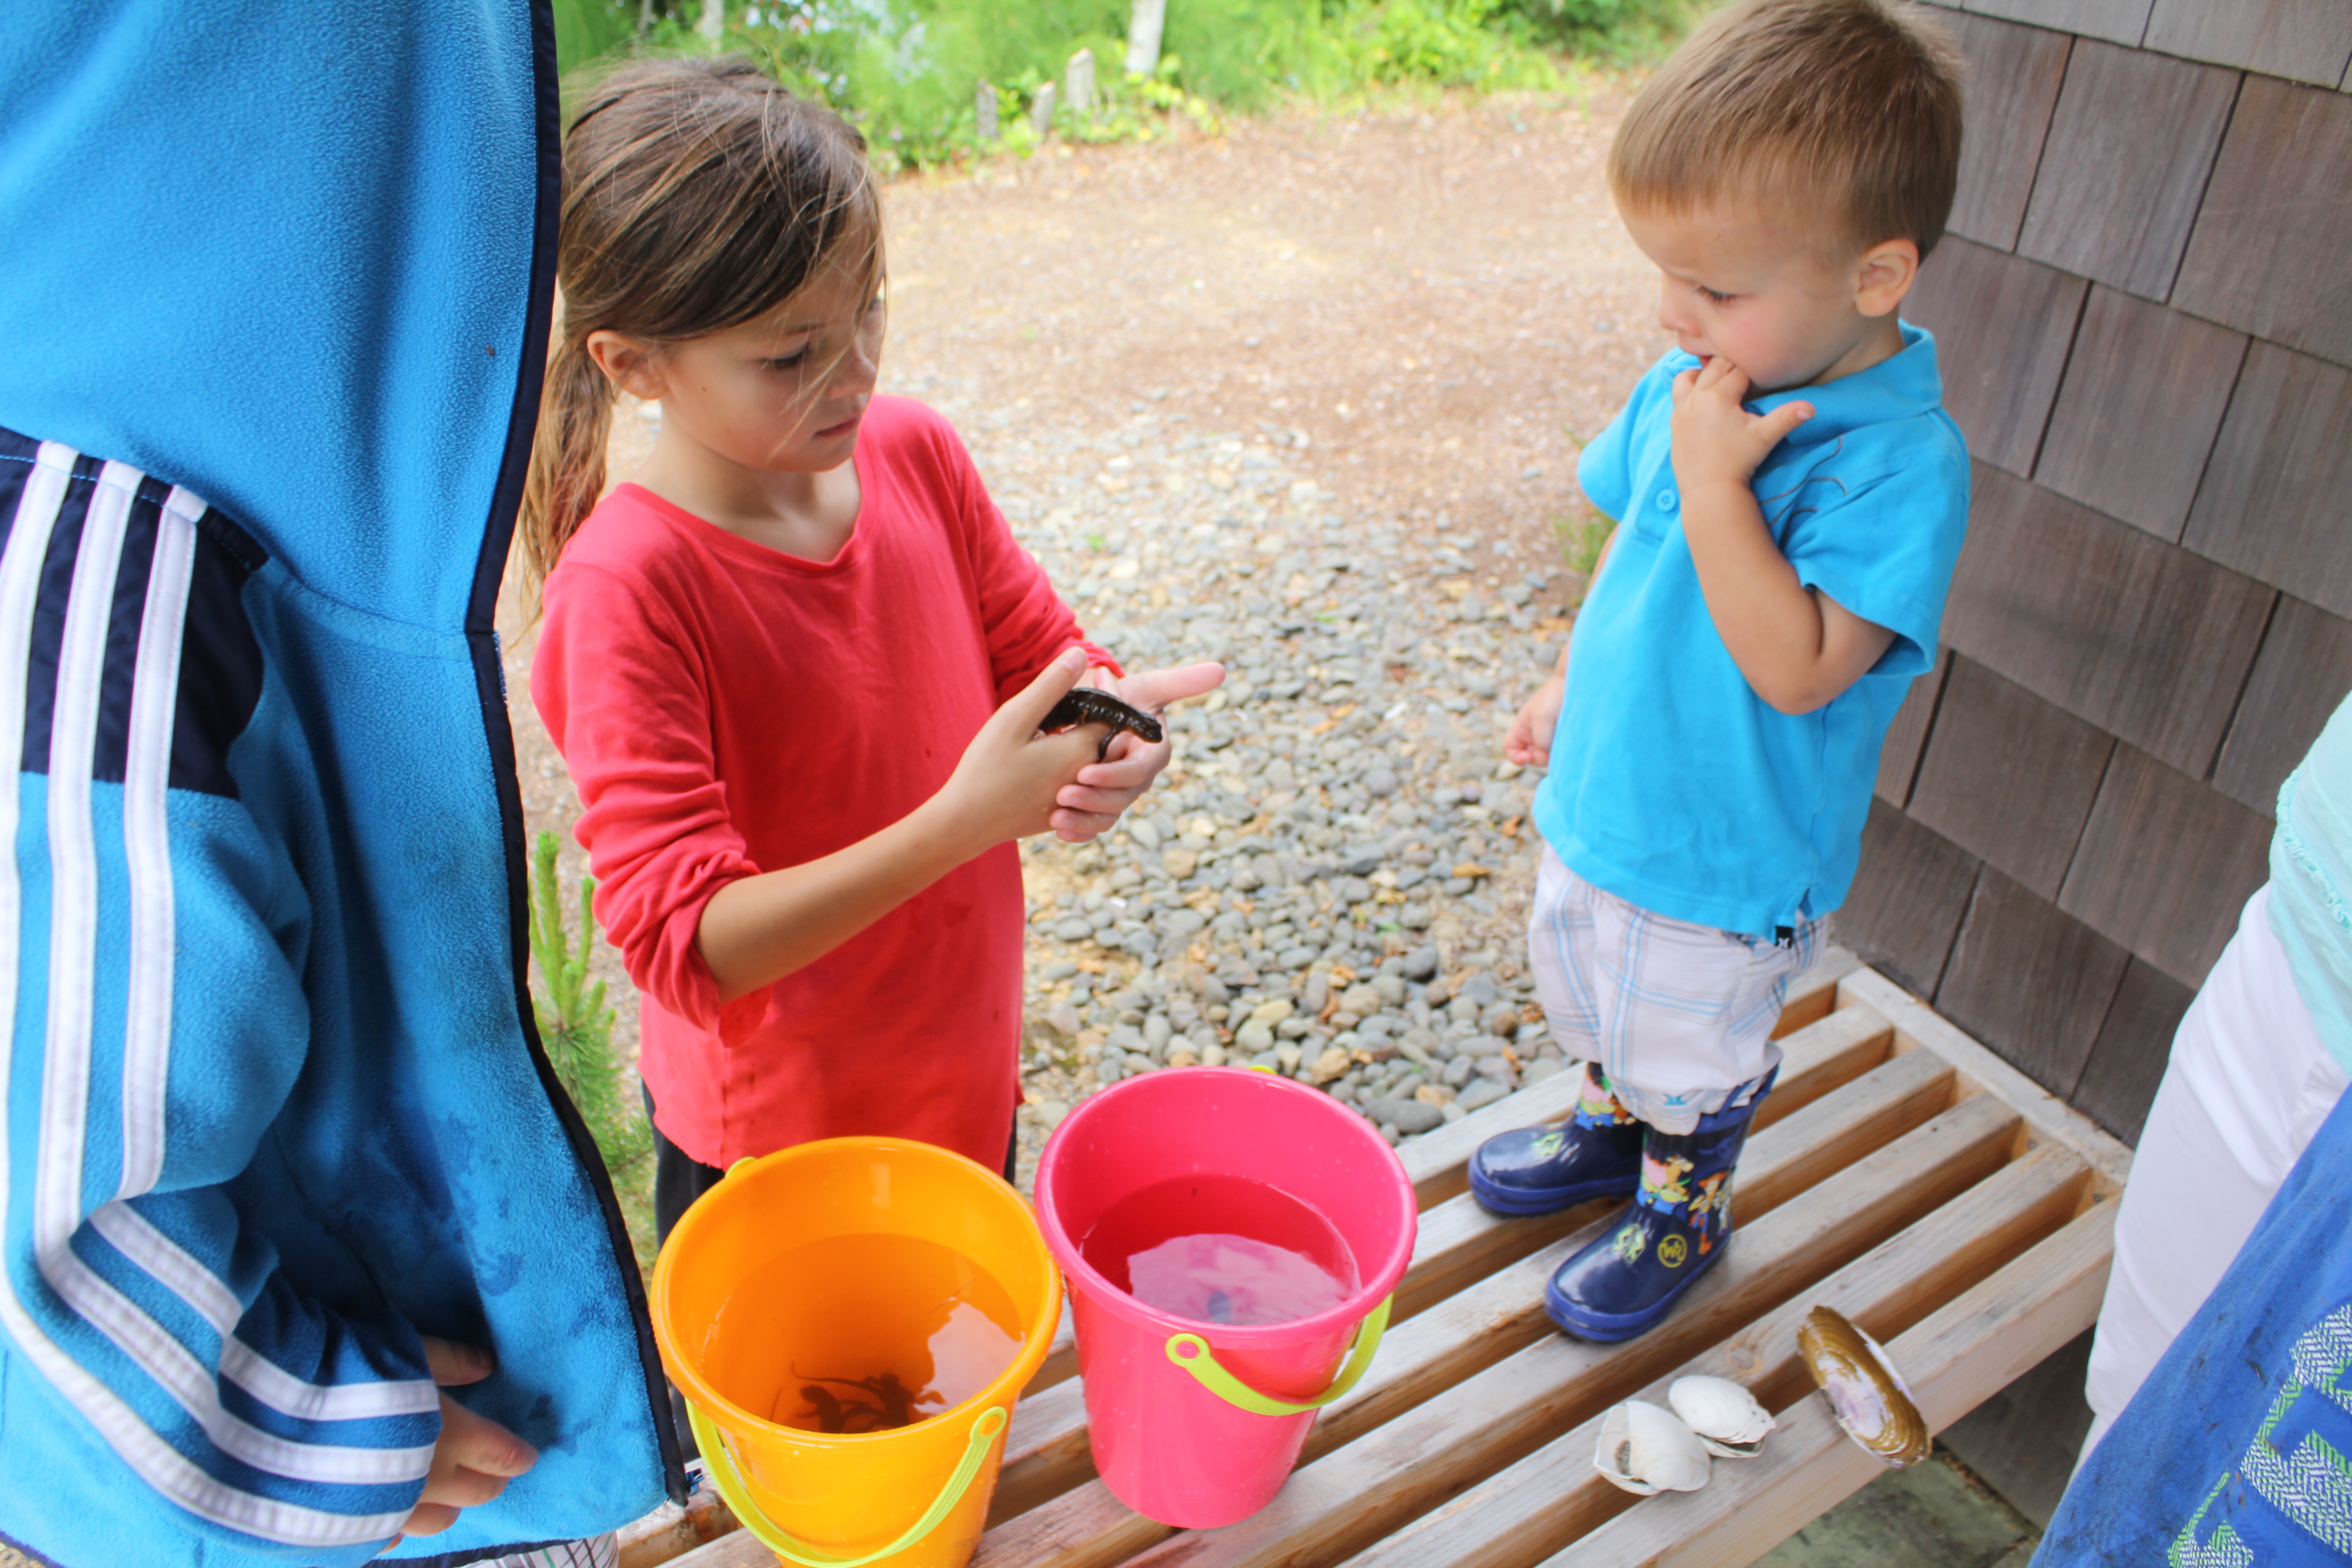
(1108, 787)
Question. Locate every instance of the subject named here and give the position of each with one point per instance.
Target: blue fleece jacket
(278, 276)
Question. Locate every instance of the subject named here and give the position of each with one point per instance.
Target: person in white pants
(2260, 1058)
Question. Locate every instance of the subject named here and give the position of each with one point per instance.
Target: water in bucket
(1222, 1249)
(861, 1334)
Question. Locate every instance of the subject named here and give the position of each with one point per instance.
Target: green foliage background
(906, 70)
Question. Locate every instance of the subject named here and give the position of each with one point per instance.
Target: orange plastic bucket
(819, 1295)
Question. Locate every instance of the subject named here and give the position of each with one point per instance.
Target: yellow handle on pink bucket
(1201, 1363)
(722, 1466)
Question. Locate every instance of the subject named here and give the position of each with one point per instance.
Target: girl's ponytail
(567, 459)
(698, 195)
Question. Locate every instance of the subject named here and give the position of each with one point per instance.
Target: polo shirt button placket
(1668, 501)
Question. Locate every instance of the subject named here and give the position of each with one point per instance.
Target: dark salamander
(1087, 705)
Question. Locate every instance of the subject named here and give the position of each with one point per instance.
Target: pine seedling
(575, 1022)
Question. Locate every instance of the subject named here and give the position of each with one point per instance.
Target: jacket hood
(320, 303)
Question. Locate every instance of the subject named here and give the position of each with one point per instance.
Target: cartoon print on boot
(1710, 1210)
(1629, 1243)
(1661, 1182)
(1597, 1105)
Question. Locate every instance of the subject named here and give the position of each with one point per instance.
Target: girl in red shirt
(797, 665)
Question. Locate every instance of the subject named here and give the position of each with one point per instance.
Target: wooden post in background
(984, 111)
(1078, 83)
(1041, 111)
(1145, 22)
(714, 19)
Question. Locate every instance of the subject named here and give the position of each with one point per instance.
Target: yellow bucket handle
(720, 1462)
(1195, 1355)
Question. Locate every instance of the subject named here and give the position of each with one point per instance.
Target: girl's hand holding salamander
(1106, 788)
(756, 931)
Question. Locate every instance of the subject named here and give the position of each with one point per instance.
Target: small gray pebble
(1480, 1095)
(1458, 1072)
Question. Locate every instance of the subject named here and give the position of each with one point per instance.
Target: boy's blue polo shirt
(1673, 785)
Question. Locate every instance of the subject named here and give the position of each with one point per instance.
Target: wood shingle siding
(2268, 256)
(2128, 1061)
(2130, 145)
(1907, 898)
(2029, 973)
(2304, 40)
(2276, 503)
(2008, 777)
(2002, 326)
(2138, 411)
(2014, 73)
(2145, 316)
(2164, 864)
(2141, 638)
(2124, 21)
(1898, 759)
(2304, 667)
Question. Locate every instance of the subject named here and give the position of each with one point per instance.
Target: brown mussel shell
(1866, 1393)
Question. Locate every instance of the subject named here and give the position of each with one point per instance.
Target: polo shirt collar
(1904, 385)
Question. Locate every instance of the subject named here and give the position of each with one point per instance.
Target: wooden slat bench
(1900, 1173)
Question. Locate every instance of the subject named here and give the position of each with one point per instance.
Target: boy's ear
(629, 365)
(1887, 271)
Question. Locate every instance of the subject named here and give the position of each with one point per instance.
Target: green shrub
(575, 1022)
(907, 70)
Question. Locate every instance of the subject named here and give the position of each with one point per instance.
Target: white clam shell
(1646, 1449)
(1725, 1416)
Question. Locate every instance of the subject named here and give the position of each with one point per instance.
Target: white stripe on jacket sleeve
(64, 1103)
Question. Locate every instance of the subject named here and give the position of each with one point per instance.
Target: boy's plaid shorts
(1678, 1015)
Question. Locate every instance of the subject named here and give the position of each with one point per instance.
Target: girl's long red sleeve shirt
(727, 710)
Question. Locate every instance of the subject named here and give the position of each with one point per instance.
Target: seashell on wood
(1646, 1449)
(1865, 1393)
(1725, 1416)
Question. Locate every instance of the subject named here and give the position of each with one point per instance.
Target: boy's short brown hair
(1849, 104)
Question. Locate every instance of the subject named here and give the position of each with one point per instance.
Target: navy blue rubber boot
(1624, 1282)
(1596, 1153)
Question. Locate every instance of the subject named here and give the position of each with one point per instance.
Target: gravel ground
(1304, 399)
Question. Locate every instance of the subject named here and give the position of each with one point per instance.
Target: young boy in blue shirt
(1789, 497)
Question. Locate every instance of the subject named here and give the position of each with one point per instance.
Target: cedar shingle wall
(2143, 312)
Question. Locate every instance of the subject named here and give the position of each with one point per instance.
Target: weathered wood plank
(2009, 777)
(2271, 505)
(1437, 1160)
(1545, 1501)
(2013, 78)
(2164, 865)
(2003, 325)
(1898, 759)
(2124, 21)
(2048, 1117)
(1346, 1502)
(1493, 1270)
(2138, 410)
(2124, 168)
(2143, 639)
(1908, 897)
(2267, 255)
(2300, 677)
(2135, 1043)
(2306, 41)
(2031, 982)
(1953, 1362)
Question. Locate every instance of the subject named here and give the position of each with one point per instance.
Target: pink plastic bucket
(1193, 1423)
